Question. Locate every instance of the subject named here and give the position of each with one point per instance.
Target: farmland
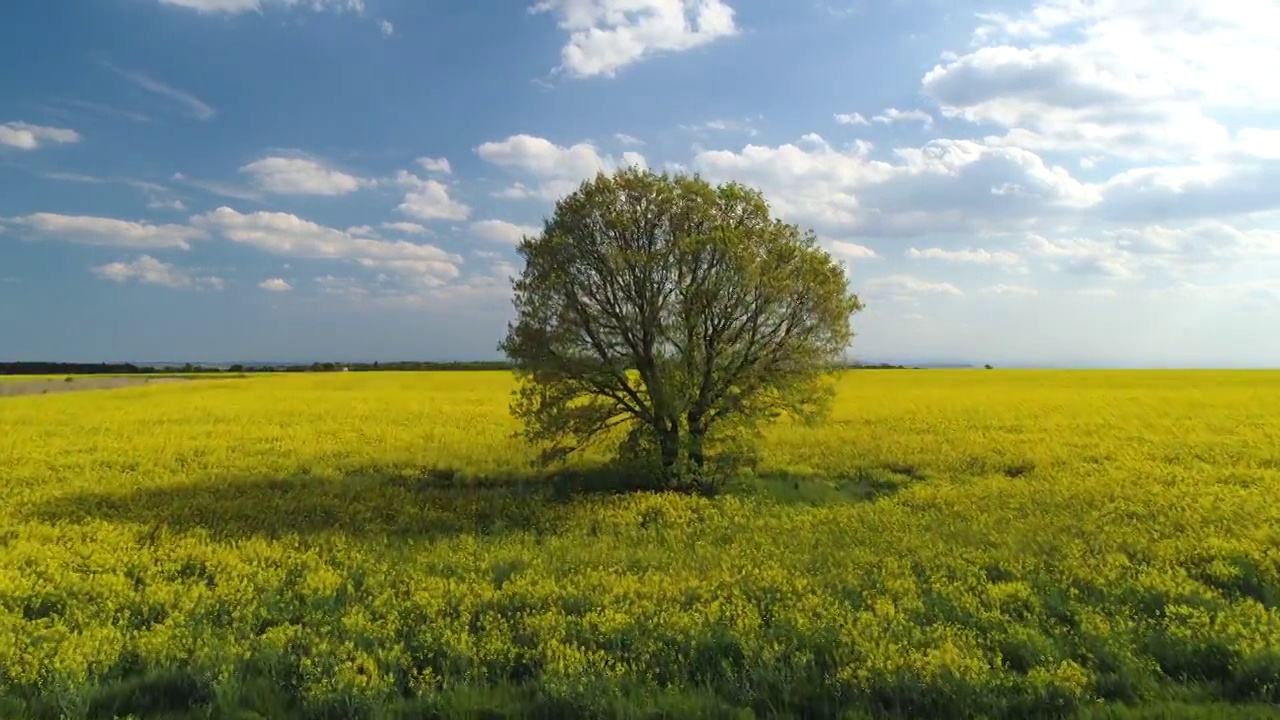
(946, 544)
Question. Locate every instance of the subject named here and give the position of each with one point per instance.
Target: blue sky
(1058, 182)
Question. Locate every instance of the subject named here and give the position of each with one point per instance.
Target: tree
(672, 317)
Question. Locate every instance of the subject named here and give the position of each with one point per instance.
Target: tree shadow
(364, 503)
(864, 484)
(418, 503)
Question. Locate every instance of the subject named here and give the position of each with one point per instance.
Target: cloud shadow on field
(367, 504)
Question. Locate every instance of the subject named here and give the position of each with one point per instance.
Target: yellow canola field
(1016, 543)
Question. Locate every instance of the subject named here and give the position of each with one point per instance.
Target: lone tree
(672, 317)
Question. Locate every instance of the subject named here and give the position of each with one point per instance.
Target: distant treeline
(53, 368)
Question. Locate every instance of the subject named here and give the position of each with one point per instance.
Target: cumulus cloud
(301, 176)
(1083, 256)
(893, 115)
(157, 203)
(850, 251)
(435, 165)
(275, 285)
(900, 287)
(407, 228)
(503, 232)
(626, 139)
(387, 28)
(1258, 143)
(608, 35)
(978, 256)
(110, 232)
(1165, 251)
(26, 136)
(1011, 290)
(343, 286)
(947, 185)
(1134, 79)
(429, 199)
(288, 235)
(721, 125)
(851, 119)
(150, 271)
(559, 170)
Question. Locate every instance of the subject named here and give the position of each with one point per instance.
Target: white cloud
(1167, 252)
(851, 251)
(110, 232)
(435, 165)
(851, 119)
(212, 6)
(157, 203)
(150, 271)
(290, 236)
(275, 285)
(945, 186)
(1083, 256)
(1135, 79)
(231, 7)
(894, 115)
(634, 159)
(1259, 143)
(977, 257)
(626, 139)
(407, 228)
(907, 286)
(26, 136)
(1003, 289)
(516, 191)
(501, 231)
(301, 176)
(192, 105)
(608, 35)
(342, 286)
(725, 125)
(543, 157)
(813, 139)
(1245, 295)
(387, 28)
(429, 199)
(560, 170)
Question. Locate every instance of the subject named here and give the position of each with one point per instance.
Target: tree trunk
(697, 433)
(669, 445)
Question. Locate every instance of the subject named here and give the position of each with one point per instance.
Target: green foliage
(672, 318)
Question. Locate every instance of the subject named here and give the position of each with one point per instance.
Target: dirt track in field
(13, 388)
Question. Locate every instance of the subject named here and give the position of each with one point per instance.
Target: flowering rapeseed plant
(1008, 543)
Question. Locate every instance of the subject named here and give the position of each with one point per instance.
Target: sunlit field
(948, 544)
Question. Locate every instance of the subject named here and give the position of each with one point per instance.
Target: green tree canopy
(672, 317)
